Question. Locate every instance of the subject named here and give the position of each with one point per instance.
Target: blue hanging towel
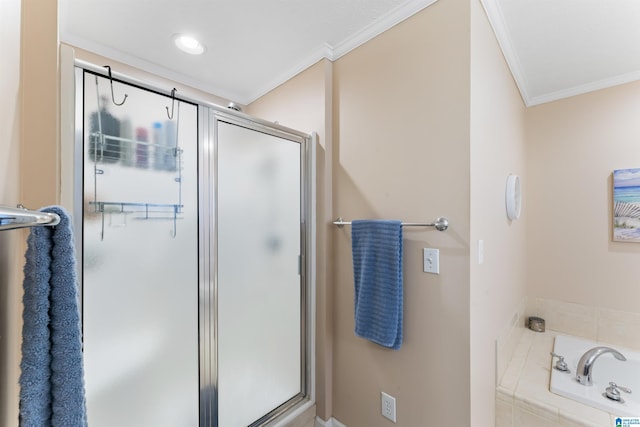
(52, 372)
(377, 268)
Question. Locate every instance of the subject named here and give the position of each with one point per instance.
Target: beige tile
(530, 308)
(564, 422)
(569, 318)
(524, 418)
(510, 379)
(586, 420)
(524, 344)
(523, 398)
(534, 380)
(502, 359)
(506, 345)
(619, 328)
(572, 411)
(536, 373)
(537, 404)
(531, 404)
(541, 347)
(504, 395)
(504, 414)
(513, 341)
(536, 401)
(514, 369)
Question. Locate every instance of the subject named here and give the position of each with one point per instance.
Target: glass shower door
(260, 289)
(193, 240)
(140, 257)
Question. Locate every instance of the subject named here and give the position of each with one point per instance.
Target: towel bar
(20, 217)
(440, 223)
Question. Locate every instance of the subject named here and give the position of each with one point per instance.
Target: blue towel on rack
(377, 268)
(52, 373)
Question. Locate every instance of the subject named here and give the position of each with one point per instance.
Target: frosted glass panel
(140, 259)
(258, 215)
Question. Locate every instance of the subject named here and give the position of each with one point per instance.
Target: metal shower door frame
(208, 118)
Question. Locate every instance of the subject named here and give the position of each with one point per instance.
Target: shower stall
(193, 229)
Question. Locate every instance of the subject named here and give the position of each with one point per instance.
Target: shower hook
(173, 100)
(111, 81)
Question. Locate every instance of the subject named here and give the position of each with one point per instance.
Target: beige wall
(401, 151)
(28, 152)
(10, 241)
(497, 286)
(39, 147)
(496, 147)
(426, 122)
(573, 145)
(304, 103)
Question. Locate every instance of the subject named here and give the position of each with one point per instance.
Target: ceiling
(561, 48)
(554, 48)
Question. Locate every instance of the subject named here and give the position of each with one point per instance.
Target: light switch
(431, 259)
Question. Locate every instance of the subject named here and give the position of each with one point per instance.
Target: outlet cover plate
(388, 406)
(431, 258)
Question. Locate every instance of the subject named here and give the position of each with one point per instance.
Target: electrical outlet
(388, 406)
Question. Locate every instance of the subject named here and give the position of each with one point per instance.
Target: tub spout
(585, 365)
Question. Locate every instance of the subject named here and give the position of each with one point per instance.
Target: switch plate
(431, 260)
(388, 406)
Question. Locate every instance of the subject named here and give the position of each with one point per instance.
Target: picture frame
(626, 205)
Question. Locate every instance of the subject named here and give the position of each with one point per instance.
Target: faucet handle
(625, 389)
(613, 392)
(560, 365)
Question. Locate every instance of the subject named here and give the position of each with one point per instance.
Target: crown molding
(147, 66)
(326, 50)
(497, 21)
(585, 88)
(353, 41)
(394, 17)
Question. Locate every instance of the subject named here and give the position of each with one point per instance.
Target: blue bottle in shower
(159, 147)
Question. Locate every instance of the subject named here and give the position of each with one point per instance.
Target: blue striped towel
(52, 373)
(377, 269)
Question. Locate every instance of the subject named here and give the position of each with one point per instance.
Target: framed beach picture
(626, 205)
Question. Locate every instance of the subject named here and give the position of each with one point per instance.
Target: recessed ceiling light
(188, 44)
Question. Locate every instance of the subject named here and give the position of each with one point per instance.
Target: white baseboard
(332, 422)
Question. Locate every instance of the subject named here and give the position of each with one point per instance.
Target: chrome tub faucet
(585, 365)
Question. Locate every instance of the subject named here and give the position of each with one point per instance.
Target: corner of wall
(508, 339)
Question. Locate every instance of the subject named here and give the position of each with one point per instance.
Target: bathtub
(605, 369)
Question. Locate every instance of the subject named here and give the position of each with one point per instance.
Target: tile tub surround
(508, 340)
(523, 398)
(594, 323)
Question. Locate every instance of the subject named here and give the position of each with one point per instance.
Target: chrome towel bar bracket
(20, 217)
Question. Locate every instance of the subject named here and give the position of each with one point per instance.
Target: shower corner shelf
(98, 142)
(159, 153)
(145, 211)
